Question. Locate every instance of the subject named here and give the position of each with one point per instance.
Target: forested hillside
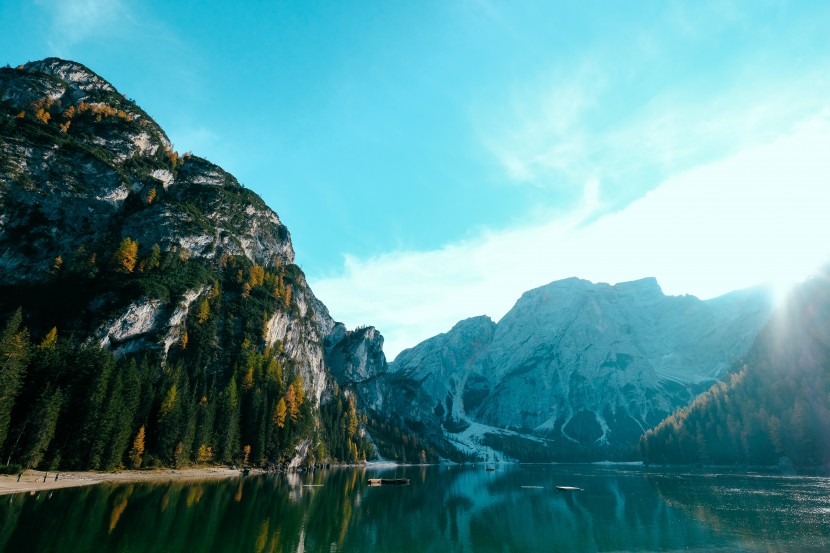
(776, 408)
(152, 309)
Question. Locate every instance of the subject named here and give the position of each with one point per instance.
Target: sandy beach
(33, 480)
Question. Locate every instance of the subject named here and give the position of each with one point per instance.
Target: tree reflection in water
(465, 509)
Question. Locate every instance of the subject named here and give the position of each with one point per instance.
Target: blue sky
(433, 160)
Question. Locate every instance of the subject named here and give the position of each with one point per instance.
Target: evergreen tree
(14, 354)
(46, 414)
(228, 423)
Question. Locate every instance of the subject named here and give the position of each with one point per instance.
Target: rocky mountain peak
(644, 287)
(448, 351)
(83, 168)
(575, 370)
(73, 73)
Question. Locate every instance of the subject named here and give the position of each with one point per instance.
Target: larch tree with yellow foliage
(280, 412)
(138, 449)
(125, 256)
(204, 311)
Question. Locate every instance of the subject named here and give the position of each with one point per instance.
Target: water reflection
(463, 509)
(792, 511)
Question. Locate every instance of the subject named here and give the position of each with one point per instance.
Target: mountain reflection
(463, 509)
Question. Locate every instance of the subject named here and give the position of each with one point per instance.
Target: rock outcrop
(81, 163)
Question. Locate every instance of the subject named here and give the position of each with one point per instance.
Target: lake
(515, 508)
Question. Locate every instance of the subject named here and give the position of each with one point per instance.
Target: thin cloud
(758, 215)
(74, 21)
(642, 102)
(559, 147)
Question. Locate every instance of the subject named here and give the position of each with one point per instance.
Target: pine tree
(228, 422)
(352, 417)
(154, 260)
(204, 311)
(123, 403)
(14, 355)
(46, 413)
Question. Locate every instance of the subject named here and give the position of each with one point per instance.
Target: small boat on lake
(388, 481)
(568, 489)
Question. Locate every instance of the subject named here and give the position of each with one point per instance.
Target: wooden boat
(388, 481)
(490, 469)
(568, 489)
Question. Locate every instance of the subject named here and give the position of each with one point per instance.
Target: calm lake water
(466, 509)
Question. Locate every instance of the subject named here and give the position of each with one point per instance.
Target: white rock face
(115, 196)
(211, 178)
(139, 319)
(165, 176)
(174, 323)
(73, 73)
(302, 342)
(591, 365)
(144, 144)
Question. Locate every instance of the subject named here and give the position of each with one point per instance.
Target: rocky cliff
(575, 370)
(84, 168)
(116, 240)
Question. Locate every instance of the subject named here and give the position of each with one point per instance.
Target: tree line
(221, 394)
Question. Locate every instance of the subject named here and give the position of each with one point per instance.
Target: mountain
(154, 313)
(775, 409)
(574, 371)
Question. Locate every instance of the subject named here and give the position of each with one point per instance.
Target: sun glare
(780, 290)
(782, 285)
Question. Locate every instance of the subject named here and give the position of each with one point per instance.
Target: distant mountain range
(575, 371)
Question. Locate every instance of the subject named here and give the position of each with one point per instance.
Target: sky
(433, 160)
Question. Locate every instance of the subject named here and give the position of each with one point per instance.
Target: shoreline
(33, 480)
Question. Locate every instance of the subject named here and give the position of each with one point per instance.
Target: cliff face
(117, 240)
(78, 167)
(574, 371)
(83, 168)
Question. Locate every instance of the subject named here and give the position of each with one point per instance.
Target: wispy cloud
(549, 136)
(653, 96)
(758, 215)
(541, 134)
(74, 21)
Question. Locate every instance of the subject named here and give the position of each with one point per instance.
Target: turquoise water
(465, 509)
